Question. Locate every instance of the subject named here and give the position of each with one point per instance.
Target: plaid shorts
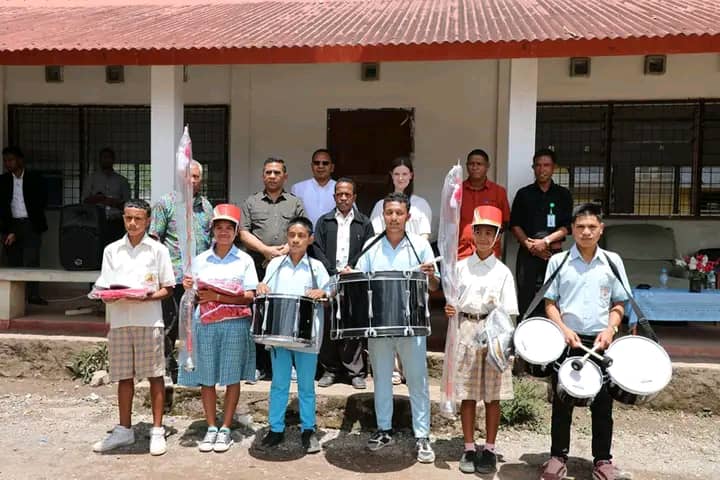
(475, 377)
(136, 352)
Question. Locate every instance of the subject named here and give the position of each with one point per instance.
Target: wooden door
(364, 142)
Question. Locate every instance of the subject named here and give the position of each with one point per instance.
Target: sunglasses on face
(318, 163)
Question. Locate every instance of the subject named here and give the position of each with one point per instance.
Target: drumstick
(578, 364)
(434, 260)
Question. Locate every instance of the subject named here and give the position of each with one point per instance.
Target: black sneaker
(467, 462)
(310, 442)
(273, 439)
(327, 379)
(487, 463)
(379, 439)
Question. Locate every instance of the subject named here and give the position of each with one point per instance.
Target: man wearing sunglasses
(317, 193)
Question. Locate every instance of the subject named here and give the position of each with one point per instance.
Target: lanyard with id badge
(551, 216)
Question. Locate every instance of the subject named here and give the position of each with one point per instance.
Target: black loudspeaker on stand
(83, 236)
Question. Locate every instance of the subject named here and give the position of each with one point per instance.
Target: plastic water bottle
(663, 278)
(711, 280)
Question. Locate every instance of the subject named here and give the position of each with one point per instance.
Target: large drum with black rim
(381, 304)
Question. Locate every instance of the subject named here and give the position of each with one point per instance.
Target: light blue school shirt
(585, 291)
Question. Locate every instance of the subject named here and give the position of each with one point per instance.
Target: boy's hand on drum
(450, 311)
(347, 269)
(315, 293)
(428, 268)
(605, 338)
(572, 338)
(262, 289)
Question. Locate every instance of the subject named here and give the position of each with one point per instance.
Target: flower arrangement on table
(698, 268)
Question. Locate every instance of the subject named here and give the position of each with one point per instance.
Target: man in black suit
(339, 237)
(22, 215)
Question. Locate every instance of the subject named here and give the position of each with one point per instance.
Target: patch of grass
(525, 408)
(84, 364)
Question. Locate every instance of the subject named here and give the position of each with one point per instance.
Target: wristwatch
(615, 329)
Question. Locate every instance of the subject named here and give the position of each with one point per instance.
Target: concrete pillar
(239, 164)
(517, 106)
(166, 125)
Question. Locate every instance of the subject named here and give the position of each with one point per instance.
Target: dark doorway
(364, 142)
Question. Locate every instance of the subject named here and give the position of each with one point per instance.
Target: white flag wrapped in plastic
(186, 242)
(451, 200)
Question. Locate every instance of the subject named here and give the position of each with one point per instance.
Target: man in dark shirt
(263, 230)
(540, 221)
(339, 238)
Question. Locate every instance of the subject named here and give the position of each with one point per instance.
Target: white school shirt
(420, 217)
(317, 200)
(484, 284)
(145, 265)
(342, 252)
(17, 204)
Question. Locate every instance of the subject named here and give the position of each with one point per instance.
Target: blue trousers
(305, 366)
(412, 352)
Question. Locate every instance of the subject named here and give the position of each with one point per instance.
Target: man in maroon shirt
(477, 191)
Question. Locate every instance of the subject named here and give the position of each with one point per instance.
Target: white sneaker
(119, 437)
(158, 445)
(223, 441)
(293, 375)
(206, 445)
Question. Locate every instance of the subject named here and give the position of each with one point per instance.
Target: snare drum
(640, 369)
(578, 387)
(381, 304)
(539, 342)
(284, 320)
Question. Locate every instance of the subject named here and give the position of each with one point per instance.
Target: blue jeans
(412, 352)
(305, 366)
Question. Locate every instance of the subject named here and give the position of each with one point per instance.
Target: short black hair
(544, 152)
(140, 204)
(346, 180)
(275, 160)
(109, 151)
(480, 152)
(587, 210)
(322, 150)
(13, 150)
(300, 220)
(397, 197)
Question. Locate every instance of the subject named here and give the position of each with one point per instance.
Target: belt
(473, 316)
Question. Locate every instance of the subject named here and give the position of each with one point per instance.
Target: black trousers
(601, 415)
(25, 251)
(343, 358)
(530, 275)
(170, 318)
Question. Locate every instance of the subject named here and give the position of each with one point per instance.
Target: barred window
(64, 143)
(637, 158)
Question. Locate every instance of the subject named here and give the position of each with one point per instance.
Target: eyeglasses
(318, 163)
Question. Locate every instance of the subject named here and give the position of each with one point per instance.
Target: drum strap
(541, 293)
(370, 245)
(312, 272)
(412, 247)
(642, 324)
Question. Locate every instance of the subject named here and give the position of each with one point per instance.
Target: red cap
(227, 211)
(487, 215)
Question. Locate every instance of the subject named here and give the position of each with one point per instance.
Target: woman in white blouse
(402, 178)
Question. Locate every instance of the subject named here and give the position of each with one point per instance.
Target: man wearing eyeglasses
(317, 193)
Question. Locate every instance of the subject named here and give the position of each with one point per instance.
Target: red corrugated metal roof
(196, 31)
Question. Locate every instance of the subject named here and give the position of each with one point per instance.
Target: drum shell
(539, 371)
(564, 395)
(352, 305)
(281, 320)
(624, 396)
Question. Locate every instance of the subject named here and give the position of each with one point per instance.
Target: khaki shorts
(136, 352)
(475, 378)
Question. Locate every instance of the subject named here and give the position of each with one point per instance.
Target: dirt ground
(47, 429)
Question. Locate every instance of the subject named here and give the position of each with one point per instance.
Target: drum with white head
(539, 342)
(640, 369)
(578, 387)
